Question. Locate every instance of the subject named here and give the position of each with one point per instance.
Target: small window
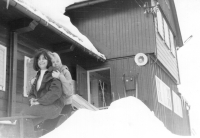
(173, 49)
(160, 24)
(164, 94)
(165, 32)
(29, 73)
(177, 104)
(3, 52)
(166, 29)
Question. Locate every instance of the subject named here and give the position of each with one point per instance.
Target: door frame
(88, 79)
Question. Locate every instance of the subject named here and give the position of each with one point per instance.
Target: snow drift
(127, 117)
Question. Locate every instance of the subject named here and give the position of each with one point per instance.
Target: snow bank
(127, 117)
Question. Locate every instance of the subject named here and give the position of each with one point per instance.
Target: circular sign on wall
(141, 59)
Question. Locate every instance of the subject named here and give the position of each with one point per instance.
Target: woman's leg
(43, 112)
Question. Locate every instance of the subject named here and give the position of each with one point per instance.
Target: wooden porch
(9, 128)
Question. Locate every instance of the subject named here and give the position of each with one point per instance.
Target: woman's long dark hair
(40, 52)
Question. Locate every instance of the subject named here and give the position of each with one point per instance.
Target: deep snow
(127, 117)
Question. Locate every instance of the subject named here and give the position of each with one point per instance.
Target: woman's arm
(54, 93)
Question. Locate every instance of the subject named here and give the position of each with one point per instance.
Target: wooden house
(138, 38)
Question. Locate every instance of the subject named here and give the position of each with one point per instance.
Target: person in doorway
(46, 92)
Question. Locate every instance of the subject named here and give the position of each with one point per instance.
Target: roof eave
(51, 27)
(178, 31)
(83, 4)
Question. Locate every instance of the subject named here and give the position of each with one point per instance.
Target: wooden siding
(147, 91)
(26, 47)
(3, 94)
(171, 120)
(168, 60)
(116, 28)
(168, 13)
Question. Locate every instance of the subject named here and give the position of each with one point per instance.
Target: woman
(46, 91)
(63, 74)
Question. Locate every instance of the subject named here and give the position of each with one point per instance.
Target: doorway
(99, 88)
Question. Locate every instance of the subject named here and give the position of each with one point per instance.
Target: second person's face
(42, 62)
(55, 63)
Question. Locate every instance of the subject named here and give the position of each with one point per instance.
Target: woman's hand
(32, 80)
(56, 74)
(33, 101)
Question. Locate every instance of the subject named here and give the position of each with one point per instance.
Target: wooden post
(12, 74)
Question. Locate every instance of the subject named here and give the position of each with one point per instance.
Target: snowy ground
(127, 117)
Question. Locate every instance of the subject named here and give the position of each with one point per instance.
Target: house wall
(168, 60)
(4, 33)
(166, 7)
(147, 91)
(116, 28)
(171, 120)
(163, 53)
(25, 48)
(120, 28)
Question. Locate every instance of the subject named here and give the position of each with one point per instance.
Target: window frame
(172, 43)
(4, 49)
(163, 93)
(177, 104)
(160, 24)
(165, 32)
(29, 73)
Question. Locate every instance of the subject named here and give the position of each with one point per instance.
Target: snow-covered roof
(84, 3)
(52, 12)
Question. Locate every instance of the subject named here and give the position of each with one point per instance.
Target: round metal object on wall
(141, 59)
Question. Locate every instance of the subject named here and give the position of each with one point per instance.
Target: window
(29, 73)
(3, 52)
(173, 50)
(160, 24)
(164, 94)
(165, 32)
(177, 104)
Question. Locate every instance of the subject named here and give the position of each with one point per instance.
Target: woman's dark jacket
(50, 91)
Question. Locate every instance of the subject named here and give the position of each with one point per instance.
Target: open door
(99, 85)
(81, 78)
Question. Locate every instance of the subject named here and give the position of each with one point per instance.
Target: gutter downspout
(84, 4)
(45, 23)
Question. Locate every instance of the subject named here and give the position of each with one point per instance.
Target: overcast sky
(189, 56)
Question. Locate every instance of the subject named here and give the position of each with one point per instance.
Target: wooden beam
(12, 74)
(23, 25)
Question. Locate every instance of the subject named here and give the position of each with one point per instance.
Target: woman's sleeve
(31, 92)
(66, 79)
(54, 93)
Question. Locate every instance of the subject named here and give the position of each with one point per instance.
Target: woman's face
(42, 62)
